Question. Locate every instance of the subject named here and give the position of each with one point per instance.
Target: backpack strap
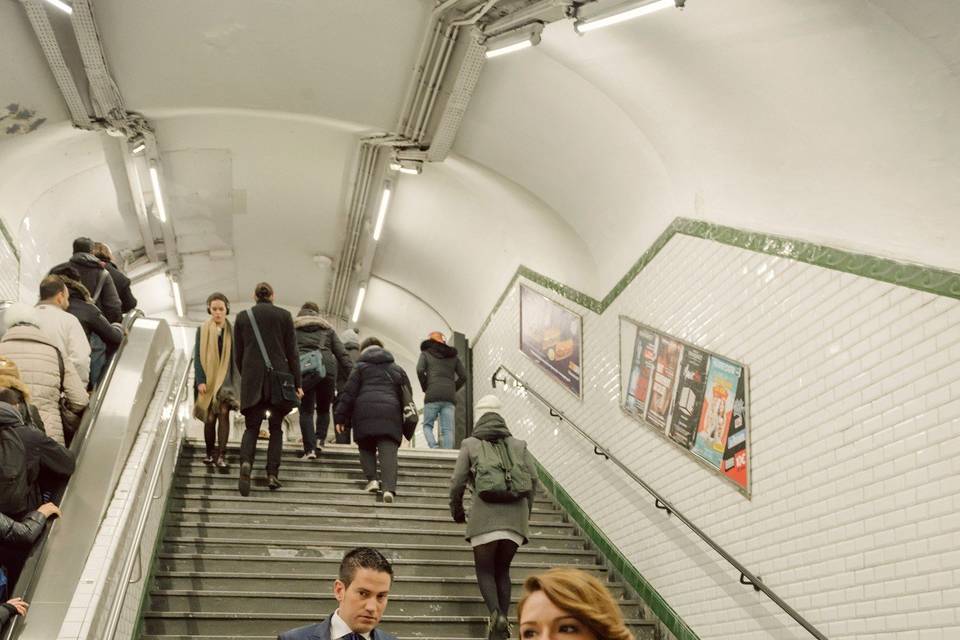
(101, 280)
(256, 332)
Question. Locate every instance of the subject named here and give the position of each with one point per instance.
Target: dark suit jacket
(276, 329)
(321, 631)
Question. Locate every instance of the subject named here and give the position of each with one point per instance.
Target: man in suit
(361, 591)
(256, 401)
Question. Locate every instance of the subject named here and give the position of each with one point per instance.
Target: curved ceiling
(829, 121)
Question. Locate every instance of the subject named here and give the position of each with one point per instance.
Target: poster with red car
(550, 335)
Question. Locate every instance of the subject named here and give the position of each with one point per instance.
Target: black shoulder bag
(283, 389)
(407, 406)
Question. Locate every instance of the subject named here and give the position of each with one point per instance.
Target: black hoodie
(440, 372)
(89, 267)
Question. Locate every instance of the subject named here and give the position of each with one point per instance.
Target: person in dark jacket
(315, 334)
(128, 302)
(371, 404)
(46, 461)
(256, 401)
(11, 608)
(495, 529)
(26, 531)
(96, 278)
(351, 344)
(441, 376)
(216, 379)
(105, 337)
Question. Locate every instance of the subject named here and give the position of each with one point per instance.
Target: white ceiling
(833, 121)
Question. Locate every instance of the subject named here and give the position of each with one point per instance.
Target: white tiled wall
(855, 407)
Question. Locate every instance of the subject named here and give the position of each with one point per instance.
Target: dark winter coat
(24, 532)
(276, 329)
(128, 302)
(91, 318)
(90, 268)
(41, 453)
(491, 516)
(370, 401)
(313, 332)
(440, 372)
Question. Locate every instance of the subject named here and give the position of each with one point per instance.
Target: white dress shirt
(339, 628)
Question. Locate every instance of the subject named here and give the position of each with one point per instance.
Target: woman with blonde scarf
(216, 378)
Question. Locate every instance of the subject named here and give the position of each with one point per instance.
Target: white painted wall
(855, 441)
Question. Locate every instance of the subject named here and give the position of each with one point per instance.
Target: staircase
(247, 568)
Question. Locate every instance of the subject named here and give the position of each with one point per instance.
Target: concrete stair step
(436, 458)
(277, 562)
(307, 494)
(430, 585)
(322, 468)
(210, 601)
(231, 543)
(190, 623)
(196, 526)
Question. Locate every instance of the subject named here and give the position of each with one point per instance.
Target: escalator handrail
(116, 607)
(746, 577)
(28, 576)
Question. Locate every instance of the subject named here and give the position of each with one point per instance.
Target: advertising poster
(723, 379)
(550, 334)
(689, 402)
(735, 453)
(641, 370)
(663, 381)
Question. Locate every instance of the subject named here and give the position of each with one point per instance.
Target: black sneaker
(244, 484)
(273, 482)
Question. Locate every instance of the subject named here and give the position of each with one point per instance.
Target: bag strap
(256, 332)
(100, 282)
(397, 386)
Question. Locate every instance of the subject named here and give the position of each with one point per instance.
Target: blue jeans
(443, 410)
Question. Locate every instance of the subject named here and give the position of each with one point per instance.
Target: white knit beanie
(486, 404)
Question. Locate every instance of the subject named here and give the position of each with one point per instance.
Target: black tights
(493, 573)
(217, 439)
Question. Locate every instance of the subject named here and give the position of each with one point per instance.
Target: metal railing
(28, 575)
(746, 576)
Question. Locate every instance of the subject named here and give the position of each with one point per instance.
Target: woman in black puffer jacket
(371, 403)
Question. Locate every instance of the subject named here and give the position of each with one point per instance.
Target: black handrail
(746, 577)
(26, 583)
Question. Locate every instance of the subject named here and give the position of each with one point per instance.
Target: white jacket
(36, 356)
(67, 333)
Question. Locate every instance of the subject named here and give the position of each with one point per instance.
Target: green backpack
(497, 476)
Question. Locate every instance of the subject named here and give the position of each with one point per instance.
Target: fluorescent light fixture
(623, 13)
(361, 294)
(177, 297)
(157, 195)
(395, 166)
(63, 6)
(382, 213)
(409, 167)
(138, 145)
(516, 40)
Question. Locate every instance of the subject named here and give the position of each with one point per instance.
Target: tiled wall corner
(855, 406)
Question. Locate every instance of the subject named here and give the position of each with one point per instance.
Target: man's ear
(339, 589)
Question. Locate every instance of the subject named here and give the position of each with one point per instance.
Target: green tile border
(905, 274)
(616, 560)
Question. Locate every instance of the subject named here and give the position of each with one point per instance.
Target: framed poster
(551, 336)
(696, 399)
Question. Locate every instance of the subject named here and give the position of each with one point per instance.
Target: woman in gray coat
(495, 529)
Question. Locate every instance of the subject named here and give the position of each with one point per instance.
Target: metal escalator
(51, 576)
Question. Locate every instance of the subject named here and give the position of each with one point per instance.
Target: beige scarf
(215, 366)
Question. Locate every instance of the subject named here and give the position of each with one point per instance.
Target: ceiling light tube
(623, 13)
(138, 146)
(157, 195)
(63, 6)
(382, 213)
(395, 166)
(516, 40)
(177, 297)
(361, 294)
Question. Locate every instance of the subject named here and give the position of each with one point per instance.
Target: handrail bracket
(749, 583)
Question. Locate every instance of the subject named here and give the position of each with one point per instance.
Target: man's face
(362, 603)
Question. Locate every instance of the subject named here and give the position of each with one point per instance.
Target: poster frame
(746, 491)
(579, 394)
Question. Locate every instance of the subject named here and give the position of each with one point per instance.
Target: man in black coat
(128, 302)
(256, 401)
(441, 375)
(371, 403)
(96, 278)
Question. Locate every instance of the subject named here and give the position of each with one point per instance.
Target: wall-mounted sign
(551, 336)
(696, 399)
